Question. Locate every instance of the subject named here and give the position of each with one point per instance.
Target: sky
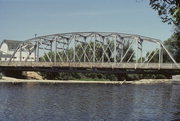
(22, 19)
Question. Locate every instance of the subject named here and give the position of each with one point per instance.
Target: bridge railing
(91, 65)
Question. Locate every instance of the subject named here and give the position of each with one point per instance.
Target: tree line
(67, 55)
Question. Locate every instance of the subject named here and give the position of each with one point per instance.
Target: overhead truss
(93, 47)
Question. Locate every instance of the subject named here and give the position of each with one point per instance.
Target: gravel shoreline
(142, 81)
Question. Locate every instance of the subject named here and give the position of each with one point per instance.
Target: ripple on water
(79, 102)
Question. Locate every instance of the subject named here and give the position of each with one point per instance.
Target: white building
(7, 48)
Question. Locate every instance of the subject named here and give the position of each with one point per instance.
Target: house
(7, 48)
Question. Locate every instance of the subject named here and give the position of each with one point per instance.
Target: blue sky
(21, 19)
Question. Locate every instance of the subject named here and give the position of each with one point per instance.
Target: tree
(168, 10)
(173, 45)
(88, 48)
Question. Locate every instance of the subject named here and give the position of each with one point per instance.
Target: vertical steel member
(160, 55)
(74, 58)
(115, 51)
(136, 53)
(141, 48)
(103, 49)
(55, 53)
(37, 59)
(122, 48)
(20, 53)
(94, 48)
(85, 50)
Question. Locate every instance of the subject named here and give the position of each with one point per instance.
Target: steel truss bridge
(93, 51)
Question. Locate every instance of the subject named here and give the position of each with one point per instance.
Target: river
(89, 102)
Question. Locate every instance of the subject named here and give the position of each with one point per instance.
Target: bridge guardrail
(92, 65)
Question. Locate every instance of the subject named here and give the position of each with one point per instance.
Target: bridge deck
(90, 65)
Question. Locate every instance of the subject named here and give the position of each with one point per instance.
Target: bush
(1, 75)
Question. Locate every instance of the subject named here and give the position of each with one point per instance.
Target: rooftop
(12, 44)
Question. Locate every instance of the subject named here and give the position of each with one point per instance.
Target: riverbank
(143, 81)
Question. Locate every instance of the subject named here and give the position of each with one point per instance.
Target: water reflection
(89, 102)
(175, 101)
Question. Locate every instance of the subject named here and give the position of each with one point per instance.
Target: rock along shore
(143, 81)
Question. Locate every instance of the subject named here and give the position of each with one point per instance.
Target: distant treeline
(62, 56)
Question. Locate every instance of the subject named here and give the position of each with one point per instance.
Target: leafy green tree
(173, 45)
(168, 10)
(68, 54)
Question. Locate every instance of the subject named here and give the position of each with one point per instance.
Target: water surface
(89, 102)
